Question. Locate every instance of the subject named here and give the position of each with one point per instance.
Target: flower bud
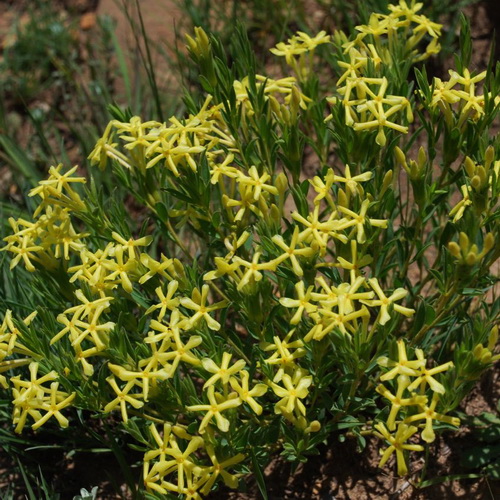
(276, 107)
(489, 156)
(493, 338)
(489, 243)
(314, 426)
(470, 166)
(471, 259)
(478, 351)
(274, 214)
(295, 103)
(401, 158)
(199, 46)
(422, 158)
(285, 115)
(179, 269)
(281, 183)
(486, 357)
(463, 241)
(476, 182)
(386, 183)
(342, 199)
(339, 37)
(454, 249)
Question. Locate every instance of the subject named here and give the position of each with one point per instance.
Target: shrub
(200, 287)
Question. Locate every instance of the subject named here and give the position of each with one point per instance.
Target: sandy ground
(161, 20)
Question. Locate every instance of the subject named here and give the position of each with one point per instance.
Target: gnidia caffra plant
(238, 307)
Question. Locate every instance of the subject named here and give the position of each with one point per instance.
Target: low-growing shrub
(295, 258)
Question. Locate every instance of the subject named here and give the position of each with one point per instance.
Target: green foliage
(484, 454)
(278, 267)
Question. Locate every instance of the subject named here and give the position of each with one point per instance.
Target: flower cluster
(459, 99)
(30, 398)
(51, 235)
(486, 354)
(414, 380)
(380, 36)
(177, 455)
(298, 51)
(365, 101)
(481, 188)
(11, 343)
(87, 332)
(176, 146)
(362, 88)
(118, 264)
(285, 88)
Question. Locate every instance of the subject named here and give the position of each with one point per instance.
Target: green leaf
(18, 160)
(445, 479)
(493, 470)
(259, 476)
(480, 456)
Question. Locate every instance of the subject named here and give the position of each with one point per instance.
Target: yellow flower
(223, 268)
(25, 248)
(246, 394)
(458, 210)
(198, 303)
(223, 372)
(216, 170)
(246, 204)
(91, 330)
(166, 301)
(123, 397)
(323, 188)
(429, 414)
(141, 377)
(257, 183)
(10, 339)
(214, 410)
(218, 469)
(352, 183)
(317, 233)
(291, 252)
(57, 190)
(327, 320)
(131, 244)
(354, 67)
(233, 242)
(181, 462)
(182, 352)
(426, 377)
(29, 397)
(397, 443)
(164, 268)
(397, 400)
(384, 302)
(174, 155)
(402, 366)
(285, 354)
(119, 270)
(342, 296)
(359, 220)
(302, 303)
(300, 45)
(404, 10)
(294, 390)
(253, 269)
(377, 116)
